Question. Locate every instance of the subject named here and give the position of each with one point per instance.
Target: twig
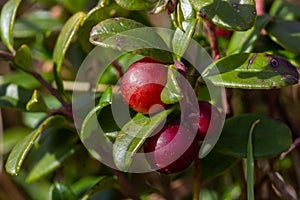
(126, 186)
(295, 144)
(53, 91)
(6, 56)
(284, 189)
(211, 31)
(118, 68)
(260, 7)
(196, 184)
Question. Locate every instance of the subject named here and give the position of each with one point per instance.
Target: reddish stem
(211, 31)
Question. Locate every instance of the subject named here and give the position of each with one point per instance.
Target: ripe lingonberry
(172, 149)
(142, 85)
(209, 116)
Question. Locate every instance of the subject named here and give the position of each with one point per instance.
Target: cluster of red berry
(141, 89)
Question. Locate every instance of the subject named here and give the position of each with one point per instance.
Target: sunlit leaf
(65, 38)
(20, 151)
(133, 135)
(237, 15)
(252, 71)
(7, 20)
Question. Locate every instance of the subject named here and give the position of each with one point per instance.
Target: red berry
(223, 33)
(172, 150)
(142, 85)
(208, 113)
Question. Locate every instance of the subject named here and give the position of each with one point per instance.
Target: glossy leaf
(270, 137)
(252, 71)
(95, 16)
(211, 165)
(132, 136)
(187, 11)
(52, 150)
(106, 97)
(20, 151)
(243, 42)
(171, 93)
(160, 6)
(182, 39)
(36, 103)
(65, 38)
(130, 36)
(105, 182)
(60, 191)
(12, 135)
(7, 20)
(14, 96)
(286, 34)
(23, 58)
(136, 4)
(237, 15)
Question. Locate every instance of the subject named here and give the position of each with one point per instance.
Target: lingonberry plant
(160, 99)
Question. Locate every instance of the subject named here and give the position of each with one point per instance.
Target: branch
(211, 30)
(53, 91)
(196, 184)
(6, 56)
(127, 187)
(295, 144)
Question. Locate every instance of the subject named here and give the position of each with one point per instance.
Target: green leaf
(53, 149)
(285, 33)
(187, 11)
(35, 23)
(60, 191)
(7, 20)
(36, 103)
(23, 58)
(75, 6)
(104, 182)
(133, 135)
(237, 15)
(171, 93)
(106, 97)
(243, 42)
(14, 96)
(252, 71)
(128, 35)
(182, 39)
(160, 6)
(285, 10)
(136, 4)
(12, 135)
(212, 167)
(65, 38)
(20, 151)
(95, 16)
(250, 163)
(25, 80)
(270, 137)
